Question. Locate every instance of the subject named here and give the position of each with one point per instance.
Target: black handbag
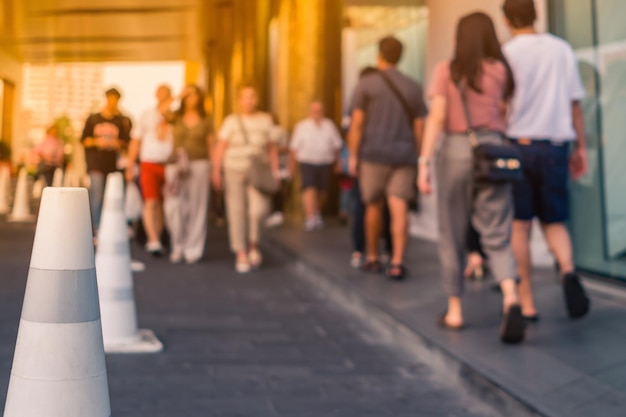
(260, 174)
(493, 162)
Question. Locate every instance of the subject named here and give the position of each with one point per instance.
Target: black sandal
(513, 326)
(373, 267)
(400, 275)
(576, 299)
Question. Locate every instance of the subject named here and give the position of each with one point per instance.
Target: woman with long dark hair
(187, 177)
(480, 75)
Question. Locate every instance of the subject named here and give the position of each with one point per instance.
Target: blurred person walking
(281, 138)
(187, 176)
(49, 155)
(152, 145)
(244, 139)
(385, 134)
(469, 94)
(545, 118)
(315, 146)
(105, 136)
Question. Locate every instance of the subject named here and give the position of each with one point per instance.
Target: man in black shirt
(104, 136)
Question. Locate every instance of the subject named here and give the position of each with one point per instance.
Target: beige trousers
(246, 209)
(186, 212)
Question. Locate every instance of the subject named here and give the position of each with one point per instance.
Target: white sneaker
(243, 267)
(318, 222)
(310, 225)
(137, 266)
(275, 220)
(255, 258)
(154, 248)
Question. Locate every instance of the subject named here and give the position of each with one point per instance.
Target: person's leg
(96, 197)
(150, 182)
(560, 244)
(373, 220)
(48, 174)
(373, 180)
(258, 209)
(358, 225)
(387, 237)
(309, 202)
(554, 197)
(492, 217)
(398, 208)
(520, 242)
(173, 210)
(198, 201)
(400, 190)
(525, 207)
(454, 195)
(150, 208)
(236, 203)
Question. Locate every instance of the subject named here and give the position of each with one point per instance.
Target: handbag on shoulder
(493, 163)
(260, 174)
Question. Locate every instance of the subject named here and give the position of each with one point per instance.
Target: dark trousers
(358, 222)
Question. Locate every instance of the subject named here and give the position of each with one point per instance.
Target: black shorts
(543, 192)
(315, 176)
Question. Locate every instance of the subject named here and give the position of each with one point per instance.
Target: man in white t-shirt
(545, 119)
(315, 144)
(152, 143)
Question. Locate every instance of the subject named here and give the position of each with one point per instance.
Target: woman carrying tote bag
(469, 96)
(248, 156)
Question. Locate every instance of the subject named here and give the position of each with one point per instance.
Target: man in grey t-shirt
(387, 125)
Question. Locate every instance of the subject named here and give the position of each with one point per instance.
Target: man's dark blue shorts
(315, 176)
(543, 193)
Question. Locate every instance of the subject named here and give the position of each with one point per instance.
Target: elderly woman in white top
(243, 137)
(315, 145)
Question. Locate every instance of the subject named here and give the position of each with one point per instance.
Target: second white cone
(115, 279)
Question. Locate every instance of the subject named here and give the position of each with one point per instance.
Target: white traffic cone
(21, 202)
(38, 187)
(69, 179)
(59, 364)
(57, 180)
(115, 278)
(5, 190)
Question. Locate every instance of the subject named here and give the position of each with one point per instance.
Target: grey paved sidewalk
(265, 344)
(565, 369)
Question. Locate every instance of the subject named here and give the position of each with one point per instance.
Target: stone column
(309, 67)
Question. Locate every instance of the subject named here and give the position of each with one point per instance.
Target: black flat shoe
(441, 322)
(513, 326)
(533, 319)
(576, 300)
(396, 272)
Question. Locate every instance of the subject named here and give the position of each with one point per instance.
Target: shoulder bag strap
(471, 133)
(243, 130)
(401, 99)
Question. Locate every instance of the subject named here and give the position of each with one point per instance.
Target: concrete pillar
(309, 66)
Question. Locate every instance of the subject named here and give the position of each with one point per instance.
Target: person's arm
(434, 127)
(133, 155)
(418, 131)
(578, 160)
(218, 160)
(355, 135)
(87, 139)
(274, 159)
